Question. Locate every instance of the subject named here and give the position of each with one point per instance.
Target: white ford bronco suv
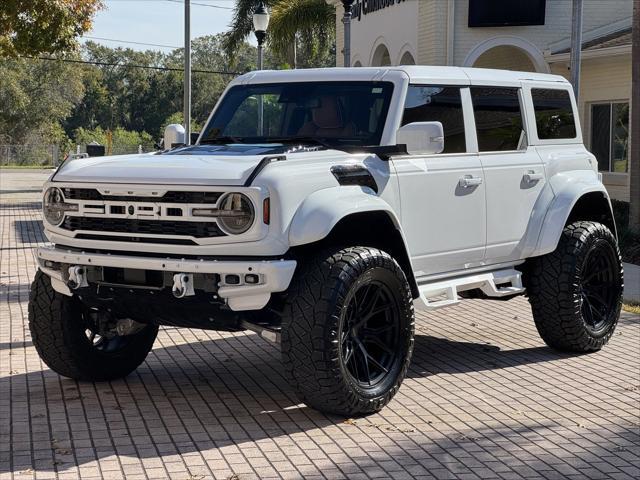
(318, 208)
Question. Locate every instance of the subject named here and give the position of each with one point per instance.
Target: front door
(442, 196)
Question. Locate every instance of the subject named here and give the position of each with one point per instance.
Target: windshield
(332, 114)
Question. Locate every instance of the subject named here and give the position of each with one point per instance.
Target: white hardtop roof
(416, 74)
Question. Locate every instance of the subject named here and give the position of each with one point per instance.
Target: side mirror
(421, 138)
(173, 134)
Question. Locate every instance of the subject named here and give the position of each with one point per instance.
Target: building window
(498, 119)
(438, 104)
(610, 136)
(554, 113)
(381, 57)
(407, 59)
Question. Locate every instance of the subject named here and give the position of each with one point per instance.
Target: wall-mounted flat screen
(506, 13)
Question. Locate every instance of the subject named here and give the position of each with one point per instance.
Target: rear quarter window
(554, 113)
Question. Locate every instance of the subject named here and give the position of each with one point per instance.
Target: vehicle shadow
(192, 396)
(29, 231)
(435, 355)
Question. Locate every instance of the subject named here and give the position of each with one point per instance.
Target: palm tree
(306, 24)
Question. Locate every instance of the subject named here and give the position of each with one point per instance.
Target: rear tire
(347, 330)
(576, 291)
(62, 337)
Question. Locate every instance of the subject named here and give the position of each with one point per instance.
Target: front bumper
(275, 274)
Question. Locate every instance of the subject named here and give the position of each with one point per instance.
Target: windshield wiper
(221, 140)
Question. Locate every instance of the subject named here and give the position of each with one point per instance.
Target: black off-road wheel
(68, 339)
(347, 330)
(576, 291)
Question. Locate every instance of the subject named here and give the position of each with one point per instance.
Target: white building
(531, 36)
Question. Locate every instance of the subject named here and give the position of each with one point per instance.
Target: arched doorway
(507, 52)
(407, 59)
(381, 57)
(505, 57)
(357, 63)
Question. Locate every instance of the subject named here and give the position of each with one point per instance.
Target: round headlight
(235, 213)
(53, 206)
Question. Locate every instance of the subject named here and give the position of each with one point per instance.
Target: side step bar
(501, 283)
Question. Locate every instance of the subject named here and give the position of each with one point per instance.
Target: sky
(158, 22)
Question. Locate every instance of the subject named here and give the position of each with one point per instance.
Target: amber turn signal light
(266, 211)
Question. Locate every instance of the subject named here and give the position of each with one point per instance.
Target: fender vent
(354, 175)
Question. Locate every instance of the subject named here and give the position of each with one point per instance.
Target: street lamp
(346, 20)
(260, 24)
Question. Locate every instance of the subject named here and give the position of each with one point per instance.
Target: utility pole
(634, 160)
(576, 45)
(187, 72)
(346, 20)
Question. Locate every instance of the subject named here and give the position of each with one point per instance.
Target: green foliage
(122, 141)
(35, 97)
(142, 99)
(308, 24)
(33, 27)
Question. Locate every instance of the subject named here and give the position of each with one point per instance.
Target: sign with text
(364, 7)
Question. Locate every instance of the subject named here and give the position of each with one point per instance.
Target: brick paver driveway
(484, 398)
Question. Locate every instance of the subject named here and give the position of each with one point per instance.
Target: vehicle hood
(195, 165)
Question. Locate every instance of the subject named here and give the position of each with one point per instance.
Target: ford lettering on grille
(164, 215)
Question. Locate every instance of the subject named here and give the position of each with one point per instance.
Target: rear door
(442, 196)
(513, 171)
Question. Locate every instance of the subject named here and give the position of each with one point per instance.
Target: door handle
(470, 181)
(532, 176)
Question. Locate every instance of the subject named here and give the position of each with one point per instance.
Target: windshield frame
(379, 137)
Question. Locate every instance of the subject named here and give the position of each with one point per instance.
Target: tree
(129, 97)
(35, 27)
(634, 170)
(35, 96)
(308, 24)
(44, 102)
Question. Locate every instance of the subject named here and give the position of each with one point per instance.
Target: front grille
(149, 227)
(118, 238)
(169, 197)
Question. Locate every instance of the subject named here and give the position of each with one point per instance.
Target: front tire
(576, 291)
(64, 339)
(347, 330)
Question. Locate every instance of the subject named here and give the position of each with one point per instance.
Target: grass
(632, 307)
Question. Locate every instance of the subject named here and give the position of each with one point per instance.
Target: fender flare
(569, 188)
(322, 210)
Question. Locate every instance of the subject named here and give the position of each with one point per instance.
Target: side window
(610, 136)
(498, 119)
(438, 104)
(554, 114)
